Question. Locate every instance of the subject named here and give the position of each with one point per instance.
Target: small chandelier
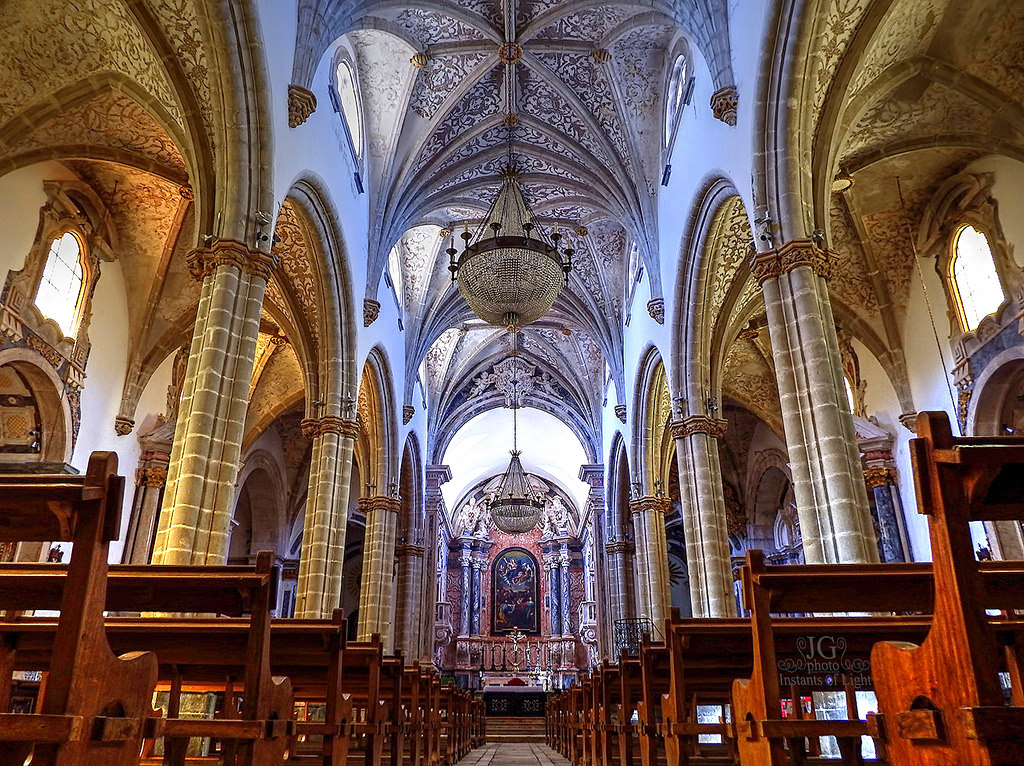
(510, 270)
(516, 506)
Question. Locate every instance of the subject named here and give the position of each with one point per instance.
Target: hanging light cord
(515, 394)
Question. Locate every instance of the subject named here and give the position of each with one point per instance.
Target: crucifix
(515, 637)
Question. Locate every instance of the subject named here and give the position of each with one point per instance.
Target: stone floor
(513, 754)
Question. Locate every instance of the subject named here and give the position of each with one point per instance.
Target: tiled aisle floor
(513, 755)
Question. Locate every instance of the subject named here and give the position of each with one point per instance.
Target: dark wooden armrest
(993, 723)
(791, 727)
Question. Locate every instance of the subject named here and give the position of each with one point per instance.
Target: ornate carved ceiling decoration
(924, 91)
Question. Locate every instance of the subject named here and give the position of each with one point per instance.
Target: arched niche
(258, 522)
(31, 390)
(773, 526)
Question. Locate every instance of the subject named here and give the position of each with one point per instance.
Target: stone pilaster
(474, 618)
(195, 518)
(465, 596)
(409, 621)
(828, 483)
(326, 517)
(434, 501)
(377, 589)
(150, 480)
(654, 595)
(705, 525)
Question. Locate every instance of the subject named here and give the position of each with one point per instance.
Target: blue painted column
(467, 588)
(888, 512)
(475, 616)
(555, 595)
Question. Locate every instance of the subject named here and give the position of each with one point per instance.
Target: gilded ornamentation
(879, 476)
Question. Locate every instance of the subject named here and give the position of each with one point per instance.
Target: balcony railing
(629, 634)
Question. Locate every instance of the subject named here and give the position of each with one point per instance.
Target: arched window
(849, 393)
(350, 105)
(975, 284)
(395, 274)
(674, 97)
(59, 294)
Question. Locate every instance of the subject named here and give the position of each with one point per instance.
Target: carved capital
(123, 425)
(309, 428)
(879, 476)
(408, 411)
(620, 412)
(301, 104)
(344, 427)
(725, 104)
(203, 261)
(909, 421)
(379, 503)
(154, 476)
(656, 308)
(647, 503)
(699, 424)
(408, 550)
(619, 546)
(371, 310)
(792, 255)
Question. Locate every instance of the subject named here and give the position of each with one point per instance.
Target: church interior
(511, 381)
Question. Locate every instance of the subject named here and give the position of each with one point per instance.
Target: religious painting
(515, 594)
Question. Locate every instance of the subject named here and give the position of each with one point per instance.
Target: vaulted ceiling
(587, 90)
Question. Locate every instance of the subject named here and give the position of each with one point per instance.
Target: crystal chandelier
(516, 506)
(511, 268)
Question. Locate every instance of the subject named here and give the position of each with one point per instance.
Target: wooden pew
(96, 705)
(941, 702)
(254, 731)
(824, 589)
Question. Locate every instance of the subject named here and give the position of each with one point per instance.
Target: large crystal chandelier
(516, 506)
(511, 267)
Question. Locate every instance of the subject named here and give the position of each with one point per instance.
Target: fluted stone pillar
(654, 595)
(565, 601)
(376, 591)
(434, 502)
(620, 581)
(828, 482)
(409, 621)
(705, 526)
(196, 516)
(326, 520)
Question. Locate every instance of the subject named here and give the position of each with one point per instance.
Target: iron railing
(629, 634)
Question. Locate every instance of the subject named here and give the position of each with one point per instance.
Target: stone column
(197, 505)
(828, 482)
(149, 489)
(705, 524)
(326, 518)
(434, 501)
(465, 603)
(409, 620)
(376, 591)
(593, 474)
(620, 595)
(653, 591)
(565, 601)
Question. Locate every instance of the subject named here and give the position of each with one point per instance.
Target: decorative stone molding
(330, 424)
(619, 546)
(123, 425)
(379, 503)
(879, 476)
(646, 503)
(620, 412)
(371, 310)
(725, 103)
(301, 104)
(203, 261)
(408, 412)
(699, 424)
(909, 421)
(187, 192)
(408, 550)
(792, 255)
(656, 308)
